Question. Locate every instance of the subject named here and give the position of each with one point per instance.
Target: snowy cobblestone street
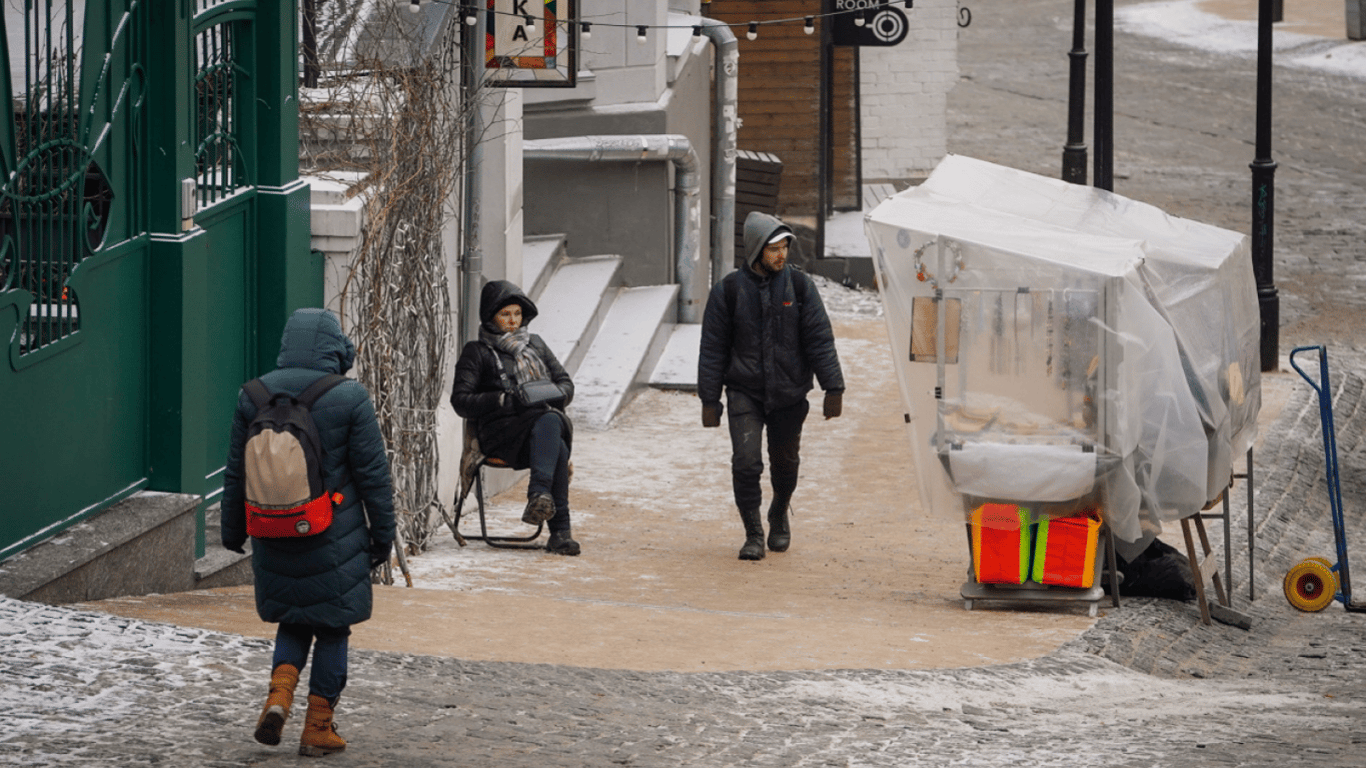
(85, 688)
(1145, 685)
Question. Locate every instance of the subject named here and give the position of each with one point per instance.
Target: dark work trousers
(747, 423)
(328, 676)
(550, 467)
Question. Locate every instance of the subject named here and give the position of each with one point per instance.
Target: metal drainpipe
(726, 125)
(472, 258)
(687, 210)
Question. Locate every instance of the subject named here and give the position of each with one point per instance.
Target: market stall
(1064, 353)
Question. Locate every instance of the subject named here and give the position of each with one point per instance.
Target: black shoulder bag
(530, 393)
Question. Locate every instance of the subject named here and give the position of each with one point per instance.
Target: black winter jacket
(321, 580)
(766, 335)
(503, 428)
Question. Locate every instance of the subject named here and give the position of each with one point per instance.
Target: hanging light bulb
(697, 30)
(531, 23)
(642, 34)
(910, 3)
(470, 18)
(753, 32)
(586, 30)
(414, 6)
(810, 25)
(858, 18)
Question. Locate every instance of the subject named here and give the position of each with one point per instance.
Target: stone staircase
(613, 340)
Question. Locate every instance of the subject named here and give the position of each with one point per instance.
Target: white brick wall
(905, 93)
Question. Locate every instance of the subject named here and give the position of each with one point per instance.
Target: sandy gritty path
(871, 580)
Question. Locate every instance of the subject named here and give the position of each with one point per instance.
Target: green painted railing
(151, 244)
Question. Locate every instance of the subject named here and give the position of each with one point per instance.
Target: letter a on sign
(531, 43)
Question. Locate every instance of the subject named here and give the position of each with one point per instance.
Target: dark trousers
(328, 676)
(550, 467)
(747, 423)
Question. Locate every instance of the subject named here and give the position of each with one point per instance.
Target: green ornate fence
(153, 238)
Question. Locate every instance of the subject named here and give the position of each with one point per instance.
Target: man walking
(764, 334)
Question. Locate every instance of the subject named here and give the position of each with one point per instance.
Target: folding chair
(472, 464)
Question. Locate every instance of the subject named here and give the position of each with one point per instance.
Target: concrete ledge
(142, 545)
(851, 271)
(219, 567)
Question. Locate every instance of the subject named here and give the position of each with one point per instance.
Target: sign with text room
(531, 43)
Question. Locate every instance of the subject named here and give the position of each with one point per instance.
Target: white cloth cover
(1080, 315)
(1023, 472)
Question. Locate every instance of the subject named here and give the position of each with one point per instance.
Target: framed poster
(531, 43)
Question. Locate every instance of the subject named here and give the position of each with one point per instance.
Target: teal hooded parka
(321, 580)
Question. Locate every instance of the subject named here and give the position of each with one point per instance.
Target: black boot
(779, 537)
(754, 535)
(562, 543)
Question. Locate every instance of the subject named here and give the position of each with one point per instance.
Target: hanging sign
(883, 24)
(531, 43)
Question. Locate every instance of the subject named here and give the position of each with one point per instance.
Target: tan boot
(280, 699)
(320, 733)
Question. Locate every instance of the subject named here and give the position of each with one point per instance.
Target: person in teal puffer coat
(316, 587)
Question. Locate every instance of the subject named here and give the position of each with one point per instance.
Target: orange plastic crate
(1001, 544)
(1065, 551)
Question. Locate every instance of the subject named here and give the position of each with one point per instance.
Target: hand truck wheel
(1310, 585)
(1329, 565)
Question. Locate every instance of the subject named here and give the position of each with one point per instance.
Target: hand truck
(1314, 583)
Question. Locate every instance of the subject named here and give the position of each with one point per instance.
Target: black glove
(834, 403)
(379, 554)
(711, 414)
(235, 546)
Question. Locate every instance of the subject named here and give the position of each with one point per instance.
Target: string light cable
(861, 16)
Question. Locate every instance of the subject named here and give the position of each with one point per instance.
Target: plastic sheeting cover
(1078, 331)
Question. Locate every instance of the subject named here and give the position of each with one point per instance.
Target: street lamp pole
(1104, 133)
(1074, 153)
(1264, 196)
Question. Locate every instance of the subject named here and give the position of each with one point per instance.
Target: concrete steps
(677, 366)
(623, 353)
(610, 338)
(574, 303)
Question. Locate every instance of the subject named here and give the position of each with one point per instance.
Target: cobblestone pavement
(1148, 685)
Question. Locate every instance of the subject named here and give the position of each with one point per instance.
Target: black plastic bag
(1158, 571)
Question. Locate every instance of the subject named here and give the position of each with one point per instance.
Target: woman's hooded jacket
(320, 580)
(480, 394)
(766, 334)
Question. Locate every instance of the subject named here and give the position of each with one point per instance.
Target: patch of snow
(1182, 21)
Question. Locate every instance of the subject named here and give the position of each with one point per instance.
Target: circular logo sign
(302, 526)
(889, 26)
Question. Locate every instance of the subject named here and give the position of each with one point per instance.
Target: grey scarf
(530, 366)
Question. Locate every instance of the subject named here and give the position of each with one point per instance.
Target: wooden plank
(755, 202)
(1195, 571)
(758, 181)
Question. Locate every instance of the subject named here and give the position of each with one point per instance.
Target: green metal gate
(153, 238)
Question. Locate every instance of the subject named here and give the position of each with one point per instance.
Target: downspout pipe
(725, 127)
(472, 258)
(687, 181)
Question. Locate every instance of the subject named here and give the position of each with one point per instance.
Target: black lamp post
(1074, 152)
(1264, 196)
(1104, 133)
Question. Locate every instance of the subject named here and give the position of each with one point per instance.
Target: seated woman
(536, 436)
